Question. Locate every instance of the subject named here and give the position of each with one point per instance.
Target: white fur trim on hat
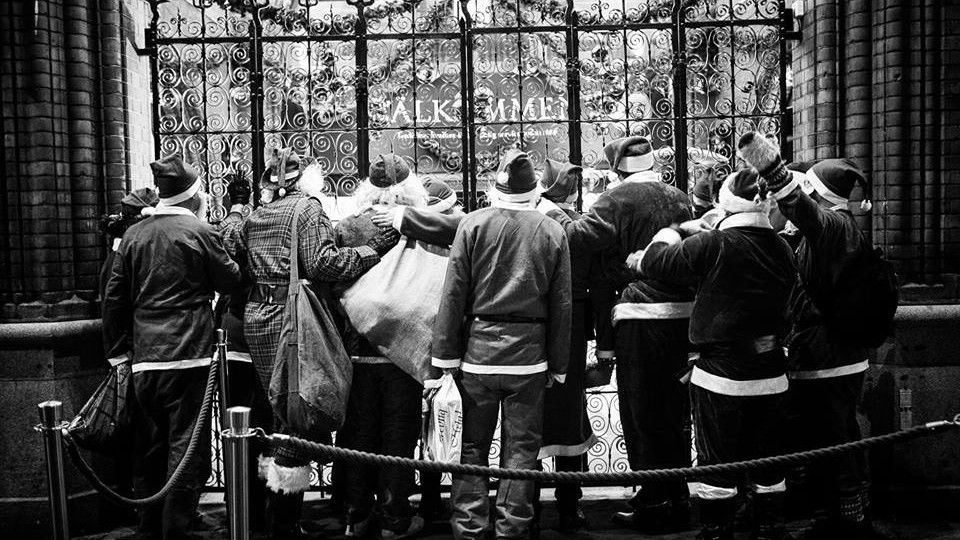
(630, 164)
(283, 479)
(517, 198)
(733, 204)
(180, 197)
(823, 190)
(444, 204)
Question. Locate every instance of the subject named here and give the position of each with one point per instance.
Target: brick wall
(878, 82)
(65, 72)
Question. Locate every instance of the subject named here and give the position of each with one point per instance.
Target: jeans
(520, 398)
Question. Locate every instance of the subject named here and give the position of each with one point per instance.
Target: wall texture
(879, 82)
(75, 125)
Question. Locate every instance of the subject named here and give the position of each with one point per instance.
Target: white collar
(498, 203)
(164, 210)
(116, 244)
(643, 176)
(745, 219)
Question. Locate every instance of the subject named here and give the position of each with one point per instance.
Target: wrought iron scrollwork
(450, 85)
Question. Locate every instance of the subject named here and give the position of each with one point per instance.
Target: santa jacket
(745, 274)
(157, 304)
(623, 220)
(438, 228)
(506, 306)
(831, 242)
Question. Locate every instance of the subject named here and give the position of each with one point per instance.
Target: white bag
(444, 436)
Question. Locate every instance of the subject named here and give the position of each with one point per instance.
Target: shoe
(662, 518)
(571, 521)
(360, 529)
(415, 528)
(715, 532)
(294, 533)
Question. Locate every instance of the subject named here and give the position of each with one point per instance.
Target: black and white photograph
(480, 269)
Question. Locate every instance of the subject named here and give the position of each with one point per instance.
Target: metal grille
(451, 85)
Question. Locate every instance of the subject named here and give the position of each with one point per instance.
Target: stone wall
(879, 82)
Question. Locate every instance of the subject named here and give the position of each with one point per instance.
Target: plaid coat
(261, 244)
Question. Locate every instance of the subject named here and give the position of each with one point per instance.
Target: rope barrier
(323, 452)
(188, 456)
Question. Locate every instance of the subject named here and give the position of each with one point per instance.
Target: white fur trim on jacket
(283, 479)
(745, 219)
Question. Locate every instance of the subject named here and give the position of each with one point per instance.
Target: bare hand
(694, 226)
(385, 218)
(633, 260)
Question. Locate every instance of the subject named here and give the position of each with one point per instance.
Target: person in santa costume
(827, 366)
(504, 324)
(134, 206)
(650, 337)
(745, 274)
(567, 435)
(157, 312)
(383, 412)
(261, 244)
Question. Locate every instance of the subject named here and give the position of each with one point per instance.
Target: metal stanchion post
(236, 458)
(50, 427)
(224, 376)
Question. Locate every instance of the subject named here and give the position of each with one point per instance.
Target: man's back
(513, 255)
(157, 300)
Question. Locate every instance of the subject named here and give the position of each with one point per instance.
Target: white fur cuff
(283, 479)
(667, 236)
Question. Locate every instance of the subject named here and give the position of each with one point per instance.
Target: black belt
(509, 319)
(760, 345)
(269, 294)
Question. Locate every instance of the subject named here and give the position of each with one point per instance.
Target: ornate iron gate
(452, 84)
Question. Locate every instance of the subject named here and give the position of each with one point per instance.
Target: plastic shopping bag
(444, 434)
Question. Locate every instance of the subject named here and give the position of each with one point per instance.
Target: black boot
(768, 516)
(716, 519)
(283, 516)
(665, 517)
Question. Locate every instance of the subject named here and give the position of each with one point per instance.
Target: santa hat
(516, 178)
(630, 154)
(139, 202)
(704, 192)
(284, 168)
(559, 180)
(834, 180)
(744, 191)
(440, 197)
(176, 181)
(388, 170)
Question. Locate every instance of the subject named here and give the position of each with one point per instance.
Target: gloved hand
(384, 240)
(239, 191)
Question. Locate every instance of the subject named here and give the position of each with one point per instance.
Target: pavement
(598, 505)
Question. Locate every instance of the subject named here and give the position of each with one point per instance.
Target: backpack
(861, 312)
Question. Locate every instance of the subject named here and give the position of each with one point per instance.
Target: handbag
(104, 423)
(312, 372)
(395, 303)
